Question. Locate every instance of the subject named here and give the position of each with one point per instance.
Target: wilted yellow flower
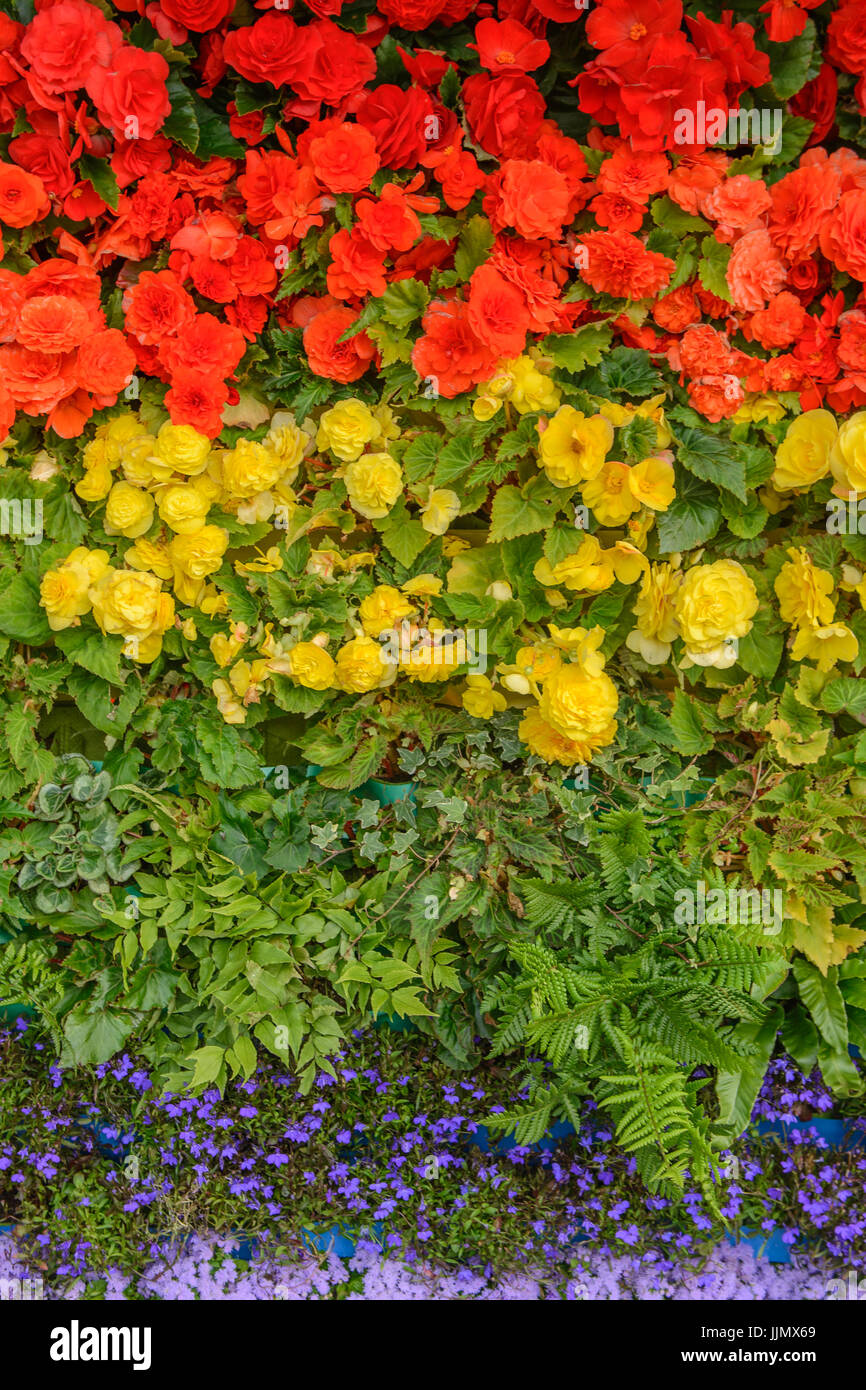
(714, 603)
(440, 509)
(804, 591)
(825, 645)
(128, 511)
(347, 428)
(65, 589)
(574, 446)
(655, 610)
(265, 563)
(384, 609)
(480, 699)
(804, 456)
(374, 482)
(224, 649)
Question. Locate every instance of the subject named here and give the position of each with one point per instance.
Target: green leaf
(473, 247)
(712, 267)
(208, 1065)
(585, 347)
(404, 301)
(181, 123)
(94, 650)
(518, 513)
(738, 1090)
(760, 651)
(629, 371)
(668, 214)
(791, 63)
(215, 136)
(693, 517)
(845, 695)
(800, 1038)
(100, 175)
(402, 534)
(455, 458)
(823, 998)
(21, 615)
(95, 1038)
(225, 759)
(419, 459)
(691, 736)
(711, 458)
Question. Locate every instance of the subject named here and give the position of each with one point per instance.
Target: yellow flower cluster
(576, 701)
(804, 593)
(710, 607)
(123, 602)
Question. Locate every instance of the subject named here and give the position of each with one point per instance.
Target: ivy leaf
(713, 266)
(474, 246)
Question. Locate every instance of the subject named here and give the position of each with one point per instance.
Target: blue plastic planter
(481, 1139)
(771, 1247)
(336, 1240)
(839, 1134)
(394, 1023)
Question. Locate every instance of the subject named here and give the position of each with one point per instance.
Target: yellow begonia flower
(440, 509)
(374, 482)
(609, 494)
(804, 591)
(759, 410)
(189, 629)
(485, 407)
(289, 443)
(182, 449)
(529, 388)
(361, 666)
(423, 586)
(580, 704)
(804, 456)
(582, 644)
(249, 468)
(480, 699)
(588, 569)
(848, 455)
(265, 563)
(655, 613)
(652, 483)
(132, 604)
(347, 428)
(183, 508)
(95, 484)
(65, 589)
(573, 446)
(359, 559)
(311, 666)
(150, 555)
(548, 743)
(128, 511)
(224, 649)
(627, 561)
(384, 609)
(136, 460)
(714, 603)
(229, 707)
(195, 555)
(825, 645)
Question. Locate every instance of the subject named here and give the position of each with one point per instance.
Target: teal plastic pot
(337, 1240)
(386, 793)
(395, 1023)
(772, 1247)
